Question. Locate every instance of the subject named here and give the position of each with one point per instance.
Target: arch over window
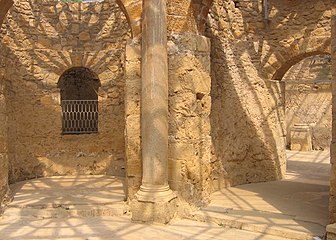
(79, 99)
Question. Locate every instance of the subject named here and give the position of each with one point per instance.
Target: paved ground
(93, 207)
(69, 190)
(120, 228)
(296, 206)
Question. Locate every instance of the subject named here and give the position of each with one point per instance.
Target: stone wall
(308, 98)
(247, 111)
(331, 232)
(42, 40)
(4, 190)
(226, 122)
(293, 31)
(332, 198)
(190, 143)
(132, 117)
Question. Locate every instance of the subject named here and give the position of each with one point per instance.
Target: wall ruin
(247, 111)
(37, 48)
(226, 118)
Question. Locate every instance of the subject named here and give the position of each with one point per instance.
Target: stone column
(153, 202)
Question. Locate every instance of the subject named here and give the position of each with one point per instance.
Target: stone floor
(94, 207)
(296, 207)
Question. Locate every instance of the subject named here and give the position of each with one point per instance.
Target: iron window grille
(79, 116)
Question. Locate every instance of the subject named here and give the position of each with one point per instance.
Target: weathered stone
(43, 149)
(301, 137)
(159, 212)
(226, 124)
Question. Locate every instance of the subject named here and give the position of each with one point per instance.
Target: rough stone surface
(332, 198)
(37, 47)
(247, 120)
(153, 212)
(331, 232)
(4, 189)
(331, 236)
(247, 111)
(226, 122)
(132, 117)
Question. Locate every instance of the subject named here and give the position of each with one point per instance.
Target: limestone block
(331, 232)
(133, 125)
(181, 150)
(180, 24)
(133, 52)
(203, 44)
(181, 8)
(301, 137)
(161, 212)
(134, 170)
(174, 170)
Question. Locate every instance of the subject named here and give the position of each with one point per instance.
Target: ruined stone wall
(247, 119)
(292, 31)
(190, 143)
(132, 117)
(308, 98)
(43, 39)
(190, 147)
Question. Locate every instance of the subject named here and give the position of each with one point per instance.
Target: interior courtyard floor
(94, 207)
(296, 207)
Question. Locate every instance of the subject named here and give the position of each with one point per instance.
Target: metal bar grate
(79, 116)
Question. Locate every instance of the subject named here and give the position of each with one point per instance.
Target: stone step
(66, 211)
(261, 222)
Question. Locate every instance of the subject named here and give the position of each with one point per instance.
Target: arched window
(79, 99)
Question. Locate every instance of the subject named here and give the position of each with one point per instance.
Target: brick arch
(289, 57)
(279, 74)
(131, 8)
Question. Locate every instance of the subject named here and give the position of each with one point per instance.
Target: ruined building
(94, 88)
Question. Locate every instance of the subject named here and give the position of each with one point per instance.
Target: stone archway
(282, 61)
(131, 8)
(281, 71)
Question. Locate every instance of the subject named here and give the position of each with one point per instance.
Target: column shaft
(154, 96)
(154, 104)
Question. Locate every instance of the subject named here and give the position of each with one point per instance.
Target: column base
(154, 204)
